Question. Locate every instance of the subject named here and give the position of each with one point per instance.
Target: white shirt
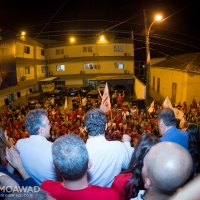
(129, 148)
(36, 156)
(108, 158)
(84, 102)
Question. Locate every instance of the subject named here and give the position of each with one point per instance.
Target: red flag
(105, 102)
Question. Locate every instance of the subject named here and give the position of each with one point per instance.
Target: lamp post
(147, 31)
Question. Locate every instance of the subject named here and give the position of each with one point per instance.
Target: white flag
(65, 105)
(151, 108)
(105, 102)
(167, 103)
(178, 114)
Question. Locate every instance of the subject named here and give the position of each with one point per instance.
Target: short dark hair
(168, 117)
(70, 157)
(34, 120)
(95, 122)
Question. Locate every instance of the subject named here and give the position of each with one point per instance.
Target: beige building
(177, 77)
(75, 63)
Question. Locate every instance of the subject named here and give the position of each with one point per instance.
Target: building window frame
(27, 70)
(27, 49)
(43, 69)
(60, 52)
(153, 84)
(60, 67)
(42, 52)
(158, 85)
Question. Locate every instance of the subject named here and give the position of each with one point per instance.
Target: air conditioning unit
(82, 72)
(126, 54)
(97, 66)
(23, 78)
(126, 72)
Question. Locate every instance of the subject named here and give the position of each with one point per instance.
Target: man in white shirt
(35, 151)
(108, 157)
(84, 102)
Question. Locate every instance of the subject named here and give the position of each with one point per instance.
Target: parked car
(85, 89)
(58, 95)
(61, 87)
(36, 97)
(73, 91)
(94, 94)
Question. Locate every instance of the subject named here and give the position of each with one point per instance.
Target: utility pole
(147, 56)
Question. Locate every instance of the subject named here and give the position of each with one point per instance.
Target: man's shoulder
(105, 193)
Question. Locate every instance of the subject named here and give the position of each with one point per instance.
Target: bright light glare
(23, 33)
(72, 39)
(102, 38)
(158, 17)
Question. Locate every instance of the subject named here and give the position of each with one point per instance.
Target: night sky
(177, 34)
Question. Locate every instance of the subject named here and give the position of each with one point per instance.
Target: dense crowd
(124, 118)
(97, 155)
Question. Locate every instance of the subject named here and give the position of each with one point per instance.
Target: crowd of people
(93, 153)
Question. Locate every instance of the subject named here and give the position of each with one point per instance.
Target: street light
(147, 31)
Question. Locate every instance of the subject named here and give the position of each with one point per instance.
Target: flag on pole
(167, 103)
(151, 108)
(105, 102)
(65, 105)
(178, 113)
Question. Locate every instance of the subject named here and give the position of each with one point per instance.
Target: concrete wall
(193, 83)
(20, 50)
(140, 89)
(167, 77)
(105, 67)
(98, 49)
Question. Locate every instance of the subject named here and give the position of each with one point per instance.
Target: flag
(151, 108)
(65, 105)
(167, 103)
(178, 114)
(105, 102)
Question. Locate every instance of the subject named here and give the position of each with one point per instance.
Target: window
(153, 83)
(27, 49)
(158, 85)
(60, 68)
(118, 49)
(119, 65)
(42, 52)
(59, 51)
(43, 69)
(88, 66)
(27, 70)
(87, 49)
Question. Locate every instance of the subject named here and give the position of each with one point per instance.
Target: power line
(51, 18)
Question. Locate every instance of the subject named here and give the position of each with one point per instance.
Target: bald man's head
(167, 167)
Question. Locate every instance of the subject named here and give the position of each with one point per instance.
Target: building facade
(177, 77)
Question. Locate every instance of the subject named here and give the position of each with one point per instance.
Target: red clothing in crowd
(118, 184)
(58, 191)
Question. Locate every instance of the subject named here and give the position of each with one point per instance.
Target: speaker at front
(18, 94)
(6, 102)
(141, 103)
